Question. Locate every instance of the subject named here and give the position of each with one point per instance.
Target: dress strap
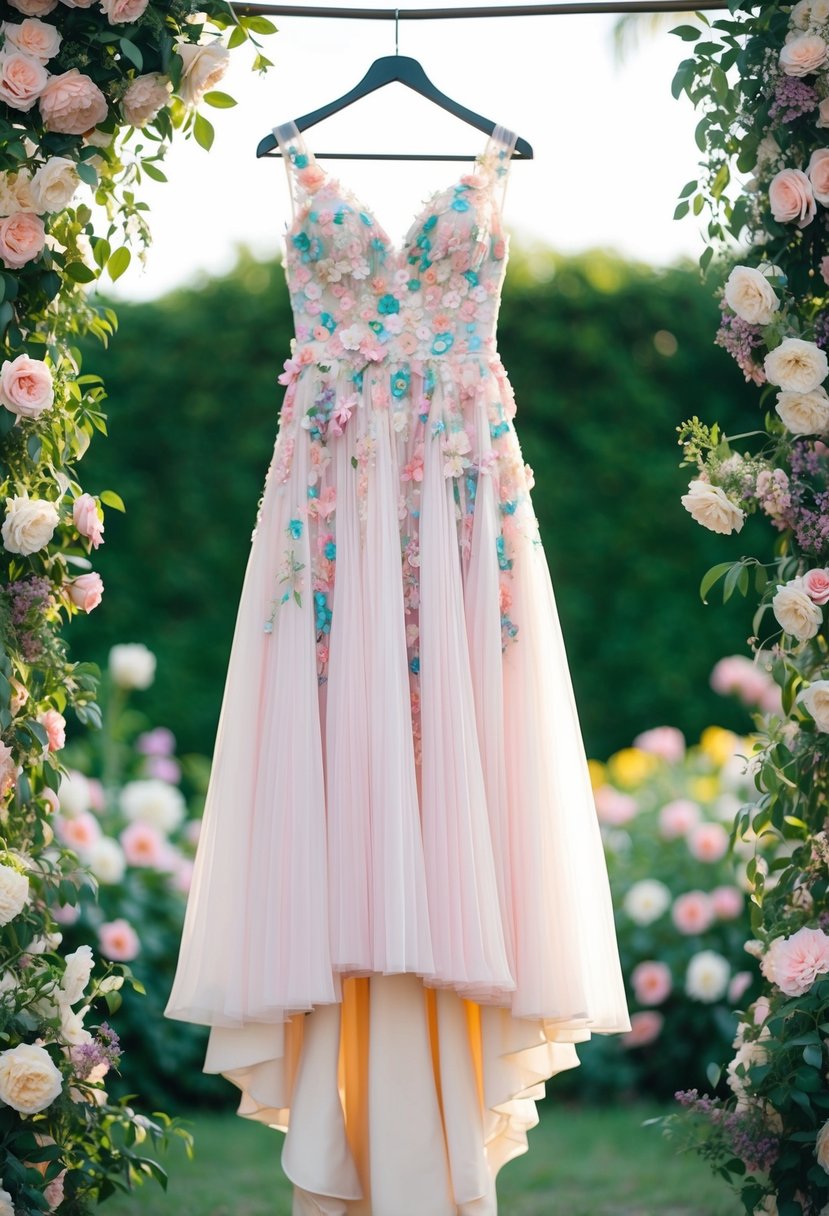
(496, 160)
(304, 174)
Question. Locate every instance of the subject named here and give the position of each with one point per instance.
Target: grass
(582, 1161)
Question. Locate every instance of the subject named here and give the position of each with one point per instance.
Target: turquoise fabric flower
(388, 304)
(295, 528)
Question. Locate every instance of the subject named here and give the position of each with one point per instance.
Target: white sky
(612, 147)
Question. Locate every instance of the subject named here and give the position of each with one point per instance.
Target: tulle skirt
(399, 837)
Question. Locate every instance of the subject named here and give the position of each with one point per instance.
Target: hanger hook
(397, 31)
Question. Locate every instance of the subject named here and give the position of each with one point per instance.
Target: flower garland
(90, 96)
(761, 79)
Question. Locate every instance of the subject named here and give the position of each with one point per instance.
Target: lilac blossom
(793, 98)
(741, 339)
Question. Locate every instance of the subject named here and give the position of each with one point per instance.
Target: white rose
(749, 294)
(6, 1205)
(800, 14)
(73, 794)
(106, 860)
(646, 901)
(804, 413)
(796, 366)
(750, 1052)
(820, 11)
(707, 976)
(803, 54)
(154, 802)
(14, 891)
(796, 613)
(76, 975)
(710, 506)
(29, 1079)
(54, 185)
(145, 97)
(72, 1029)
(204, 67)
(816, 700)
(29, 524)
(132, 665)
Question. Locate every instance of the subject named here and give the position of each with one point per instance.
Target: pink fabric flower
(87, 520)
(727, 902)
(816, 586)
(311, 178)
(664, 741)
(143, 845)
(86, 591)
(791, 198)
(708, 842)
(651, 982)
(692, 913)
(22, 237)
(117, 940)
(72, 104)
(26, 386)
(794, 963)
(677, 818)
(22, 80)
(645, 1028)
(80, 832)
(613, 807)
(413, 471)
(54, 724)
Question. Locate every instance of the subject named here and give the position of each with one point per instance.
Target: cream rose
(749, 294)
(800, 14)
(803, 54)
(818, 174)
(132, 665)
(791, 197)
(34, 8)
(22, 79)
(14, 891)
(26, 386)
(804, 413)
(796, 366)
(795, 611)
(15, 193)
(816, 699)
(22, 237)
(820, 12)
(29, 524)
(33, 37)
(122, 12)
(145, 97)
(54, 184)
(204, 67)
(711, 507)
(72, 103)
(29, 1079)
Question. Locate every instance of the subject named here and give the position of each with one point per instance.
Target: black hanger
(384, 71)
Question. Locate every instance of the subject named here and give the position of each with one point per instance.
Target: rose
(54, 723)
(613, 807)
(819, 12)
(76, 974)
(822, 1147)
(72, 104)
(677, 818)
(14, 891)
(85, 591)
(796, 366)
(15, 192)
(6, 1203)
(26, 386)
(800, 14)
(123, 12)
(29, 524)
(818, 173)
(651, 982)
(36, 38)
(119, 941)
(803, 54)
(153, 802)
(804, 413)
(22, 237)
(29, 1079)
(54, 185)
(87, 520)
(692, 913)
(727, 902)
(796, 614)
(132, 665)
(794, 963)
(73, 794)
(22, 79)
(749, 294)
(815, 698)
(816, 585)
(106, 860)
(708, 842)
(645, 1027)
(667, 742)
(646, 901)
(749, 1052)
(34, 8)
(707, 976)
(204, 67)
(144, 845)
(145, 97)
(8, 769)
(791, 197)
(710, 506)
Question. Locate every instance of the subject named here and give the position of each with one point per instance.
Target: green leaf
(259, 25)
(130, 51)
(688, 33)
(118, 262)
(152, 170)
(86, 173)
(711, 577)
(203, 132)
(110, 499)
(80, 272)
(682, 210)
(813, 1056)
(237, 37)
(220, 101)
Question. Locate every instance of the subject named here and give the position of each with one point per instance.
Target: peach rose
(79, 833)
(118, 940)
(26, 386)
(86, 591)
(123, 12)
(692, 913)
(22, 79)
(54, 724)
(794, 963)
(791, 197)
(143, 845)
(71, 103)
(803, 54)
(33, 37)
(818, 173)
(22, 237)
(145, 97)
(87, 520)
(204, 67)
(816, 586)
(34, 8)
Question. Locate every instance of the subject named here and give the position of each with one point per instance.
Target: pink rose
(760, 1010)
(824, 263)
(80, 832)
(664, 741)
(816, 586)
(8, 769)
(727, 902)
(708, 842)
(645, 1027)
(72, 104)
(818, 172)
(22, 79)
(86, 591)
(791, 197)
(613, 807)
(34, 8)
(145, 97)
(26, 386)
(740, 984)
(22, 237)
(78, 3)
(794, 963)
(117, 940)
(803, 54)
(651, 982)
(692, 913)
(143, 845)
(54, 724)
(33, 37)
(677, 818)
(123, 12)
(87, 520)
(53, 1192)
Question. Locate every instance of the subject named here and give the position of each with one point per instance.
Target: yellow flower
(705, 789)
(598, 773)
(718, 744)
(631, 766)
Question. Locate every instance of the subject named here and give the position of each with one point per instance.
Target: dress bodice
(358, 297)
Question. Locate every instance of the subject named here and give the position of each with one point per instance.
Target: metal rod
(495, 10)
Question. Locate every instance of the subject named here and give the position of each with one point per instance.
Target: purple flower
(163, 768)
(793, 98)
(158, 742)
(741, 339)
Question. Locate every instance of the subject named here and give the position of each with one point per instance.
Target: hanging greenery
(90, 97)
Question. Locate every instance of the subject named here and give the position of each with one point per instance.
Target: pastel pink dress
(399, 923)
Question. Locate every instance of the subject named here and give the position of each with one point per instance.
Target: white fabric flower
(804, 413)
(710, 506)
(646, 901)
(29, 1078)
(816, 700)
(707, 976)
(14, 891)
(796, 613)
(132, 665)
(797, 366)
(153, 801)
(749, 294)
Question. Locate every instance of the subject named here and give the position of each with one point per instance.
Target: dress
(399, 923)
